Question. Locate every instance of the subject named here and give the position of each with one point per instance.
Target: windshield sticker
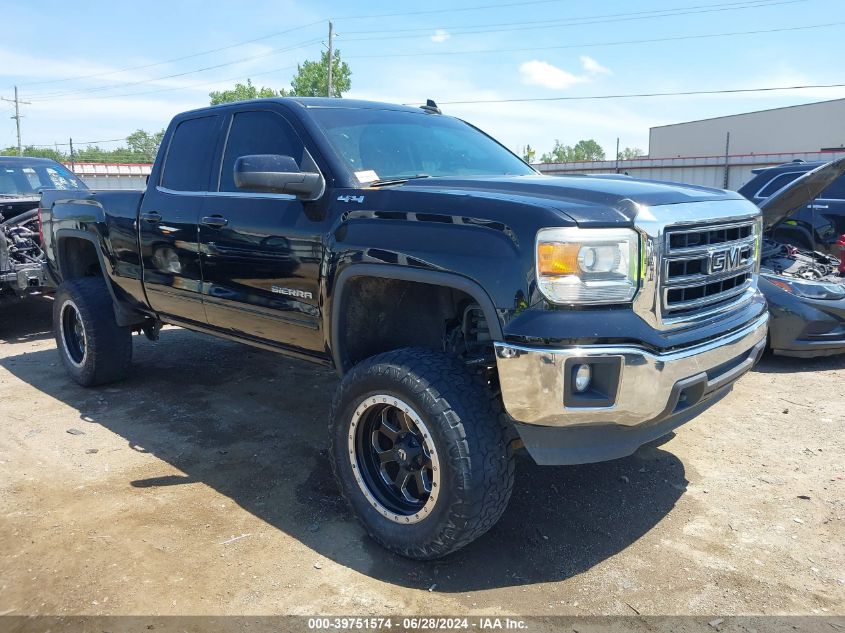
(368, 175)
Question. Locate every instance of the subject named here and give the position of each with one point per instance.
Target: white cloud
(514, 124)
(592, 67)
(537, 73)
(440, 36)
(540, 73)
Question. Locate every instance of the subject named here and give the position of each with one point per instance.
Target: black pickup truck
(471, 305)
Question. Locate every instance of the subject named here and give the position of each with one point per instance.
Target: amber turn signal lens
(555, 258)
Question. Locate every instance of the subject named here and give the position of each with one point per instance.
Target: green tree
(144, 145)
(312, 78)
(559, 153)
(584, 150)
(35, 152)
(141, 147)
(631, 152)
(241, 92)
(529, 154)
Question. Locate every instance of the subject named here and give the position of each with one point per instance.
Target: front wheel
(419, 453)
(94, 349)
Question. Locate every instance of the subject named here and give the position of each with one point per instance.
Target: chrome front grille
(706, 267)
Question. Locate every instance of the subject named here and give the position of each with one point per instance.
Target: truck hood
(588, 200)
(784, 202)
(13, 205)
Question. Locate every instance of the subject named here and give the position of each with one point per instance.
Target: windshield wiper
(396, 181)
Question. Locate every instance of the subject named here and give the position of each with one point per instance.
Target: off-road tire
(107, 347)
(475, 459)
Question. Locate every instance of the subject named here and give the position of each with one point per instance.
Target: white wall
(708, 171)
(804, 128)
(111, 175)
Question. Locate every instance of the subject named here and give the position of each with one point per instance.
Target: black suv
(815, 226)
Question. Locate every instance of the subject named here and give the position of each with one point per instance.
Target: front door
(167, 223)
(260, 251)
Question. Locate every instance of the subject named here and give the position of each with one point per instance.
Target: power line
(553, 24)
(187, 87)
(452, 10)
(278, 33)
(636, 95)
(111, 140)
(175, 59)
(17, 116)
(746, 4)
(54, 96)
(600, 44)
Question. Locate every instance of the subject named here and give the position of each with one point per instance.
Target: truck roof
(25, 160)
(318, 102)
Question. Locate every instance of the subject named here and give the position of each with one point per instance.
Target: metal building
(702, 153)
(805, 128)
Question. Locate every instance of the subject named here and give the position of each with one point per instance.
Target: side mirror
(277, 174)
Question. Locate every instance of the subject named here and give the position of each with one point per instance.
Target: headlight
(587, 265)
(809, 289)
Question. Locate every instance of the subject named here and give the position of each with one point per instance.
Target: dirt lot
(201, 486)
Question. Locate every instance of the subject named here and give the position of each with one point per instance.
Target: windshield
(30, 180)
(384, 145)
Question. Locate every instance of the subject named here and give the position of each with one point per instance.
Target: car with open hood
(816, 223)
(804, 288)
(22, 179)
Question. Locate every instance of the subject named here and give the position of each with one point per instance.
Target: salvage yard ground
(201, 486)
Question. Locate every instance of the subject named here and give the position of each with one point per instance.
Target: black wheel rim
(394, 457)
(73, 333)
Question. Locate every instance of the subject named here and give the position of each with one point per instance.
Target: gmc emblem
(725, 260)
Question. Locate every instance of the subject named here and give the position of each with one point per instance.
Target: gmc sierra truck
(471, 305)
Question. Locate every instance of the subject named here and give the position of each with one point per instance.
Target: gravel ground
(201, 486)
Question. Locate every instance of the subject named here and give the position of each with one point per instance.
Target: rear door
(169, 217)
(261, 252)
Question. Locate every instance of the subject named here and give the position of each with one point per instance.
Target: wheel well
(382, 314)
(78, 258)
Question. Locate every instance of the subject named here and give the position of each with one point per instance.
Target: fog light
(583, 374)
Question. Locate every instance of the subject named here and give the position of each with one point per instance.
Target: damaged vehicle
(816, 223)
(21, 182)
(805, 289)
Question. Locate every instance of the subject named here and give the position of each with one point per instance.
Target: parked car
(804, 288)
(814, 226)
(21, 182)
(470, 304)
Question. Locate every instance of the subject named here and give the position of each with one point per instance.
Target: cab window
(189, 155)
(258, 132)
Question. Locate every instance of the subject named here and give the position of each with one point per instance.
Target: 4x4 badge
(358, 199)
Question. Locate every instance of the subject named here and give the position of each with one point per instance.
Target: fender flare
(402, 273)
(122, 313)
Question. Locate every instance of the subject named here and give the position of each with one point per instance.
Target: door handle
(215, 221)
(151, 216)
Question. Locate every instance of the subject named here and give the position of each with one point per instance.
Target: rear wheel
(94, 349)
(419, 453)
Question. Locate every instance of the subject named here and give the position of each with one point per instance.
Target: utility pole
(72, 159)
(331, 36)
(617, 154)
(727, 160)
(17, 116)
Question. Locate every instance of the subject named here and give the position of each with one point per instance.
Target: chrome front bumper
(650, 387)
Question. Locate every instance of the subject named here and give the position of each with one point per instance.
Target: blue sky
(448, 50)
